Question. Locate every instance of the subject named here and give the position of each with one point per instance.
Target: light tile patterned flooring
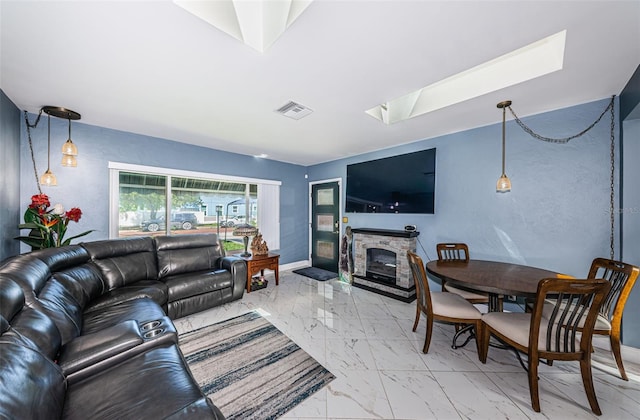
(366, 341)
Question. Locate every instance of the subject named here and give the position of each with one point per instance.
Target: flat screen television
(396, 184)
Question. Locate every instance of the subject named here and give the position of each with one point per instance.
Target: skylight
(256, 23)
(534, 60)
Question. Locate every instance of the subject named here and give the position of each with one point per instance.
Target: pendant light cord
(610, 107)
(612, 191)
(33, 159)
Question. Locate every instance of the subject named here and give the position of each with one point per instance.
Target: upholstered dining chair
(458, 252)
(557, 329)
(622, 277)
(443, 307)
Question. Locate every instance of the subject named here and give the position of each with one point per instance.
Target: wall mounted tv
(397, 184)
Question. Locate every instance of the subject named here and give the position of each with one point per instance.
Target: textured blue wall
(630, 205)
(87, 186)
(555, 217)
(9, 176)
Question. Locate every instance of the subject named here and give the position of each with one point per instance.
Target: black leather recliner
(84, 332)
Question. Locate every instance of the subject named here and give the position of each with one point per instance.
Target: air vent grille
(294, 110)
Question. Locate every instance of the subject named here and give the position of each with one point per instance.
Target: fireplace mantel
(386, 232)
(396, 241)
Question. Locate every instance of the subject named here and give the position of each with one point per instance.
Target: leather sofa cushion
(58, 259)
(187, 253)
(152, 385)
(31, 385)
(193, 304)
(151, 289)
(30, 273)
(11, 300)
(23, 325)
(124, 261)
(141, 310)
(197, 283)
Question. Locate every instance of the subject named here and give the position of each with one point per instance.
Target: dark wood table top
(492, 276)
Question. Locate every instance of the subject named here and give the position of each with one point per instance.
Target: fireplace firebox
(381, 265)
(380, 262)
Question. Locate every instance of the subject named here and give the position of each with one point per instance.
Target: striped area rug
(250, 369)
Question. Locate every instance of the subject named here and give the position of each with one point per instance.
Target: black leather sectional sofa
(86, 330)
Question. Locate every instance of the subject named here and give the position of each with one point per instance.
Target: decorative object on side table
(245, 230)
(258, 282)
(259, 245)
(48, 225)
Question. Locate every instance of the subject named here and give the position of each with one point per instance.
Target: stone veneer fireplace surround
(395, 241)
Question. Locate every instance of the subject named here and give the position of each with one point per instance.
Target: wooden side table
(259, 263)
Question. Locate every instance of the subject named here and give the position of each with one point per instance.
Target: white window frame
(268, 196)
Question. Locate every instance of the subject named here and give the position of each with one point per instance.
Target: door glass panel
(325, 197)
(324, 222)
(325, 249)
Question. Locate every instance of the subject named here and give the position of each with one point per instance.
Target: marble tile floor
(366, 341)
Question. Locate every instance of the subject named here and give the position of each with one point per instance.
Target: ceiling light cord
(33, 159)
(610, 107)
(564, 139)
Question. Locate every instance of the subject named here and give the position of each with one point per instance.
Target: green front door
(325, 226)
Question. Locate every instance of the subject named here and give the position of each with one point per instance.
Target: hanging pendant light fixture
(48, 178)
(69, 151)
(504, 184)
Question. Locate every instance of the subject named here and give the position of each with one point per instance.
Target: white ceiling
(150, 67)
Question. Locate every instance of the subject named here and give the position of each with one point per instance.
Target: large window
(147, 201)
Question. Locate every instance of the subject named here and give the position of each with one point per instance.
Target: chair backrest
(622, 277)
(423, 294)
(565, 313)
(453, 252)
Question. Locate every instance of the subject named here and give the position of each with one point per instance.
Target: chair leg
(533, 383)
(484, 337)
(415, 323)
(587, 380)
(615, 349)
(479, 342)
(427, 339)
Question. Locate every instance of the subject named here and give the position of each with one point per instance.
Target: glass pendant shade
(69, 148)
(69, 161)
(503, 184)
(48, 179)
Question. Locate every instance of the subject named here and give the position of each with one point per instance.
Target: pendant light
(69, 151)
(48, 178)
(504, 184)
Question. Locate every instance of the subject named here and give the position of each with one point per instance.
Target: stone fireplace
(380, 262)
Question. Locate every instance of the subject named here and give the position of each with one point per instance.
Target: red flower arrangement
(48, 225)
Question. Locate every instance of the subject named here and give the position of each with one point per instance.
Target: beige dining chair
(459, 252)
(557, 329)
(622, 277)
(437, 306)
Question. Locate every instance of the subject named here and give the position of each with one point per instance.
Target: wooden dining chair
(562, 331)
(458, 252)
(437, 306)
(622, 277)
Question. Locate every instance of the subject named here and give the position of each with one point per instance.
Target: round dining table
(495, 278)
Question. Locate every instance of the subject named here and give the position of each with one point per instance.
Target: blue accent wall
(9, 177)
(87, 185)
(630, 203)
(555, 217)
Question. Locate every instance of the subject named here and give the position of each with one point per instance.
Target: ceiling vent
(294, 110)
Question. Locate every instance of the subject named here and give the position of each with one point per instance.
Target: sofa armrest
(238, 269)
(92, 353)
